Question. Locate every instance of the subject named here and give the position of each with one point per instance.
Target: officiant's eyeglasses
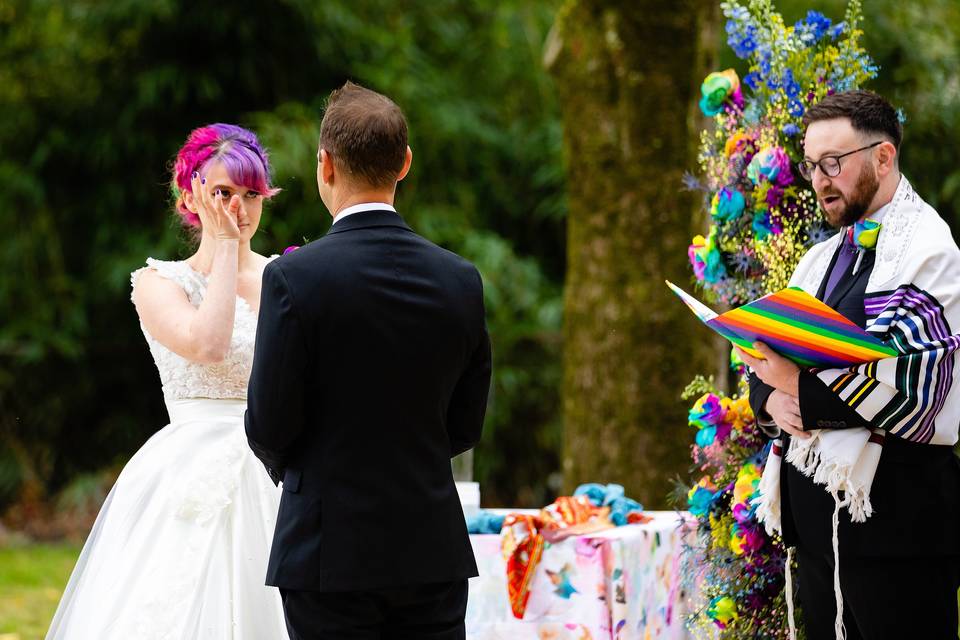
(829, 165)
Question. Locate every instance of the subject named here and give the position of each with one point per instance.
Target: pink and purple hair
(237, 148)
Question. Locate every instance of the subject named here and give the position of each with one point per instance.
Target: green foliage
(31, 581)
(96, 98)
(699, 386)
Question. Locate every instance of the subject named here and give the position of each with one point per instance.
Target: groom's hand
(774, 370)
(784, 409)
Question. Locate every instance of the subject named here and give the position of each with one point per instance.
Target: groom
(371, 370)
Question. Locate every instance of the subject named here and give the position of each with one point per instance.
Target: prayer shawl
(912, 303)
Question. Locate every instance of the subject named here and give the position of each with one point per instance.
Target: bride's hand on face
(219, 219)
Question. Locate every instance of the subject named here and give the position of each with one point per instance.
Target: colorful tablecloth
(618, 584)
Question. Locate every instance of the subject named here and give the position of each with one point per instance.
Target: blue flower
(715, 271)
(790, 130)
(742, 36)
(765, 67)
(811, 29)
(843, 84)
(742, 262)
(790, 85)
(706, 436)
(727, 204)
(753, 112)
(699, 501)
(752, 80)
(743, 42)
(761, 225)
(837, 30)
(796, 108)
(818, 233)
(692, 182)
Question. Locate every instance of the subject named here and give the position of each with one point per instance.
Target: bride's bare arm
(200, 334)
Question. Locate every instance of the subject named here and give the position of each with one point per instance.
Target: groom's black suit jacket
(371, 370)
(916, 490)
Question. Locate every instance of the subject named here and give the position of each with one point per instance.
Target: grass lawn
(32, 578)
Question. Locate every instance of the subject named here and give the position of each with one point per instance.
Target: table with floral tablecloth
(616, 584)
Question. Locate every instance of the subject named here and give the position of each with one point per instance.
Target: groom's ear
(407, 161)
(326, 168)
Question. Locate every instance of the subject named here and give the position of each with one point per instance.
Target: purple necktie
(848, 252)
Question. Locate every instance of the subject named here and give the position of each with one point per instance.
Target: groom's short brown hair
(365, 134)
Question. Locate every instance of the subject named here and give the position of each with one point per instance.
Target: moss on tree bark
(628, 76)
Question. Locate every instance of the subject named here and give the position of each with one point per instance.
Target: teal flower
(718, 88)
(727, 204)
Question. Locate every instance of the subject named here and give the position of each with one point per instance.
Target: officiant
(868, 491)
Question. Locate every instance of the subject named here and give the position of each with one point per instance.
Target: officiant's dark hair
(867, 112)
(365, 134)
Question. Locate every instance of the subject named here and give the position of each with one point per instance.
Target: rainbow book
(794, 324)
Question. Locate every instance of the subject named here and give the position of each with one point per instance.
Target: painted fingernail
(194, 175)
(218, 193)
(203, 181)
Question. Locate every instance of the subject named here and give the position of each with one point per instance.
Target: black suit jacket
(916, 490)
(371, 370)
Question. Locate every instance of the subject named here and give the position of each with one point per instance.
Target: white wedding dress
(179, 549)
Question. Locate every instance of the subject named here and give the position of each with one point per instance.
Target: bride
(179, 549)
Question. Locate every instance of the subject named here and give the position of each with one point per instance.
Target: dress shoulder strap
(176, 271)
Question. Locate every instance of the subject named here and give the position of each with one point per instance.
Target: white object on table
(469, 493)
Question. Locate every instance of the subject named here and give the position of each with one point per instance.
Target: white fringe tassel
(839, 630)
(788, 573)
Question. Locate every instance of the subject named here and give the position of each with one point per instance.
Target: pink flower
(771, 164)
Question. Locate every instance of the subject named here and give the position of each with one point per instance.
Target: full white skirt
(180, 547)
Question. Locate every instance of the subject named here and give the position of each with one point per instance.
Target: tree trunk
(628, 76)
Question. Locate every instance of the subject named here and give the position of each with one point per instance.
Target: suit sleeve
(821, 408)
(468, 405)
(275, 398)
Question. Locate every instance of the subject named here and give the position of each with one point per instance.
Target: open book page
(709, 317)
(699, 309)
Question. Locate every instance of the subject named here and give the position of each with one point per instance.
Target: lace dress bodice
(181, 378)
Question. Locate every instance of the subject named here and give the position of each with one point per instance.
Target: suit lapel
(848, 281)
(843, 287)
(826, 274)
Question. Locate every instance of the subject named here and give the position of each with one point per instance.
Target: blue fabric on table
(485, 522)
(613, 496)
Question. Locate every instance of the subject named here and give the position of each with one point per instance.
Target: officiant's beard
(857, 203)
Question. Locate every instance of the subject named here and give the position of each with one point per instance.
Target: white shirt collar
(364, 206)
(877, 216)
